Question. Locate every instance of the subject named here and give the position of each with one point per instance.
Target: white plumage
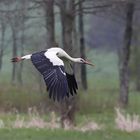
(51, 55)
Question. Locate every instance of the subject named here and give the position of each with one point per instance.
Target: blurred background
(106, 32)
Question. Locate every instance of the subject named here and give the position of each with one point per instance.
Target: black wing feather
(72, 83)
(54, 76)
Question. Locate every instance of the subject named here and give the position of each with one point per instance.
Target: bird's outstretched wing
(72, 83)
(54, 76)
(70, 77)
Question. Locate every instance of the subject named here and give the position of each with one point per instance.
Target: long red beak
(89, 63)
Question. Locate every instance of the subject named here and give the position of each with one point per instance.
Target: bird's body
(55, 66)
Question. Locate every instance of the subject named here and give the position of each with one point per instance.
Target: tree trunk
(2, 43)
(22, 53)
(68, 107)
(82, 46)
(67, 20)
(50, 26)
(137, 64)
(14, 54)
(23, 19)
(136, 56)
(76, 50)
(125, 55)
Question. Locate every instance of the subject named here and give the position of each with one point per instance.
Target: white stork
(55, 66)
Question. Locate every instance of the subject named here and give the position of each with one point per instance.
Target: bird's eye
(82, 60)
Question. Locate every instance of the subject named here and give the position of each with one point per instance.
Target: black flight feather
(59, 84)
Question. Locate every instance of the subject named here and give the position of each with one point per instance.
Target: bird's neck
(74, 59)
(71, 58)
(68, 57)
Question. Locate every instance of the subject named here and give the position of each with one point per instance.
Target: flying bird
(55, 66)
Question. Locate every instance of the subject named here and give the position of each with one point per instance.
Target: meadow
(97, 104)
(32, 134)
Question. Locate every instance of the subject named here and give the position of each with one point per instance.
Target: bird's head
(82, 61)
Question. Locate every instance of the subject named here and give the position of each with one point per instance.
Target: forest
(104, 32)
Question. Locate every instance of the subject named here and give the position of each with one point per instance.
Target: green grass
(96, 104)
(44, 134)
(102, 95)
(102, 82)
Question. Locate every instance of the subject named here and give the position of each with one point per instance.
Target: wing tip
(16, 59)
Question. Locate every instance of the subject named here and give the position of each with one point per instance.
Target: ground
(36, 134)
(97, 104)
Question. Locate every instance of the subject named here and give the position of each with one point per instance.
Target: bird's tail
(16, 59)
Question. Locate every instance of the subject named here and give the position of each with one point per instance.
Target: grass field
(35, 134)
(97, 104)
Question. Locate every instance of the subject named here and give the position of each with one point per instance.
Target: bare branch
(99, 6)
(16, 10)
(79, 2)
